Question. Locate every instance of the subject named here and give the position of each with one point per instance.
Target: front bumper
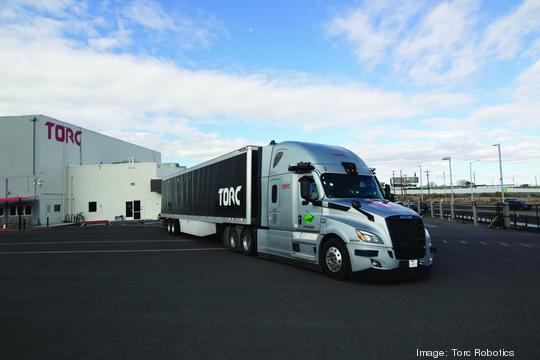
(365, 257)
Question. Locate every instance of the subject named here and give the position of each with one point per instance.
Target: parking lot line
(93, 242)
(104, 251)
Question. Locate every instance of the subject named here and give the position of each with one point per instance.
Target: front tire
(335, 259)
(248, 242)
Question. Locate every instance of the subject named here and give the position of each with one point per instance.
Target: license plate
(413, 263)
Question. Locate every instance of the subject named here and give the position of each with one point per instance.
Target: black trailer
(222, 190)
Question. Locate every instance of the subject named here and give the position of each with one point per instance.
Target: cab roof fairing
(319, 155)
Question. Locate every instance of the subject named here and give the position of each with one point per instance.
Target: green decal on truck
(308, 218)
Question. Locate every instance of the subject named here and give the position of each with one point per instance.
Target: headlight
(368, 237)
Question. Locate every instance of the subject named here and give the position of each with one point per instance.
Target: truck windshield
(350, 186)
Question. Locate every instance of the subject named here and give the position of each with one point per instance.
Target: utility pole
(427, 175)
(535, 181)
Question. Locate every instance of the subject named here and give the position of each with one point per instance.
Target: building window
(1, 211)
(28, 210)
(12, 210)
(92, 206)
(57, 208)
(274, 194)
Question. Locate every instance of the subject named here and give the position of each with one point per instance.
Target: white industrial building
(51, 170)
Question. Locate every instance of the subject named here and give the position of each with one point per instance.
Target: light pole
(444, 183)
(451, 187)
(401, 181)
(393, 184)
(421, 187)
(535, 181)
(500, 171)
(471, 178)
(427, 174)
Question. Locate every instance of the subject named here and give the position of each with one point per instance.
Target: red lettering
(69, 135)
(49, 125)
(78, 137)
(60, 133)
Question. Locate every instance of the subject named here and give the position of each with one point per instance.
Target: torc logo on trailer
(229, 196)
(62, 133)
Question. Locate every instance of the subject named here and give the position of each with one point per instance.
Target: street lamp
(451, 187)
(500, 170)
(471, 178)
(421, 188)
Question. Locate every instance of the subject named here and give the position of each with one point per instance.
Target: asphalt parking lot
(135, 292)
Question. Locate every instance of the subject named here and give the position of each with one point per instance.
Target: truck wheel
(233, 238)
(225, 236)
(169, 227)
(335, 259)
(176, 227)
(249, 244)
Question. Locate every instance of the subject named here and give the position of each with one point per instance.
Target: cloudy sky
(401, 83)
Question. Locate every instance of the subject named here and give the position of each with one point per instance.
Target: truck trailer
(310, 204)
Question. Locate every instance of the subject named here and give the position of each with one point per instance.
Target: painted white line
(431, 226)
(90, 242)
(503, 243)
(483, 243)
(104, 251)
(526, 245)
(463, 242)
(444, 241)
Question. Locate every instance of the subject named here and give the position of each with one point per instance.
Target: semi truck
(316, 205)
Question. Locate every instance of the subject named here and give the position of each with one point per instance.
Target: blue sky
(399, 83)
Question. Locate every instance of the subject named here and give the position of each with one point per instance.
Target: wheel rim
(334, 259)
(246, 242)
(232, 240)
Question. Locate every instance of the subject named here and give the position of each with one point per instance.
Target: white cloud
(446, 43)
(187, 31)
(150, 14)
(505, 36)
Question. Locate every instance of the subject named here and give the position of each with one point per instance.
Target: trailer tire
(335, 259)
(176, 227)
(225, 236)
(169, 226)
(248, 242)
(233, 238)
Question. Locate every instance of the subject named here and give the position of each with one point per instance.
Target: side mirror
(388, 193)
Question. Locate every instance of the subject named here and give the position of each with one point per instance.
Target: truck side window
(274, 194)
(313, 192)
(278, 157)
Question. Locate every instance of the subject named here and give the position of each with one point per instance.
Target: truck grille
(408, 236)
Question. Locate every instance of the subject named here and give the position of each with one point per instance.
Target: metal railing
(492, 215)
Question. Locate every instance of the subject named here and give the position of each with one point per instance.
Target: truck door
(307, 216)
(307, 220)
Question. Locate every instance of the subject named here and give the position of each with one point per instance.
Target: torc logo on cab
(63, 133)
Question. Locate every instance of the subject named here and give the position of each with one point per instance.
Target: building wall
(111, 186)
(57, 145)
